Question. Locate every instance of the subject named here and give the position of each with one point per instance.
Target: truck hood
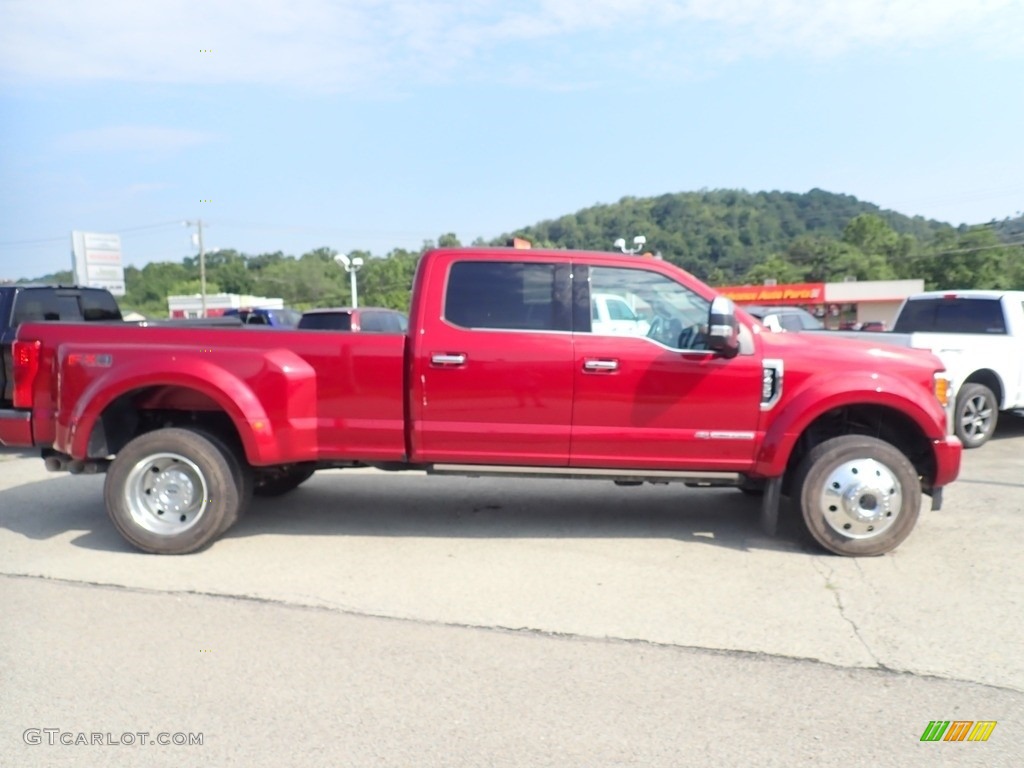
(818, 351)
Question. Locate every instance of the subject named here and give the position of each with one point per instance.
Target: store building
(855, 301)
(217, 304)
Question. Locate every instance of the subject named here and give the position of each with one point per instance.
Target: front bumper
(948, 451)
(15, 428)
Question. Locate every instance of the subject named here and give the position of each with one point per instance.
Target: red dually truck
(499, 373)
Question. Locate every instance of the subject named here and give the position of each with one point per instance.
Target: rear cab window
(952, 315)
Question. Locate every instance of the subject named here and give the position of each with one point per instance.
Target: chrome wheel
(166, 494)
(860, 499)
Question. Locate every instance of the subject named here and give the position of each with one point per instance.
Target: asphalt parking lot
(410, 620)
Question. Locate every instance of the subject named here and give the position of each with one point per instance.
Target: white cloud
(833, 27)
(363, 43)
(132, 138)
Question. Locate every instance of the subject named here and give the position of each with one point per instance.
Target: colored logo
(958, 730)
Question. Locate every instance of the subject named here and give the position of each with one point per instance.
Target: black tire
(276, 481)
(173, 491)
(976, 415)
(858, 496)
(752, 488)
(244, 477)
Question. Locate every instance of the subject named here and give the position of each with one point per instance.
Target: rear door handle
(443, 359)
(600, 365)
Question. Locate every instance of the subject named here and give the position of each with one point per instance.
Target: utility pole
(202, 262)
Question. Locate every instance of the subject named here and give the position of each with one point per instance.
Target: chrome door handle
(441, 359)
(601, 365)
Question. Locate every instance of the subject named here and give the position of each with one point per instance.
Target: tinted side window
(32, 306)
(98, 306)
(373, 322)
(790, 322)
(509, 295)
(951, 316)
(327, 321)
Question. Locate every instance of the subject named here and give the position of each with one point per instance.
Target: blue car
(274, 318)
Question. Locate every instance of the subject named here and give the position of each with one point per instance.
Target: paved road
(400, 620)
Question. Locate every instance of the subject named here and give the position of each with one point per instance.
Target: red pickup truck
(499, 373)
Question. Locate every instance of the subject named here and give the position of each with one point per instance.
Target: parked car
(785, 318)
(44, 303)
(611, 314)
(365, 319)
(875, 326)
(275, 318)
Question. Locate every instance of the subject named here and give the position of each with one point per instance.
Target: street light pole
(351, 266)
(202, 263)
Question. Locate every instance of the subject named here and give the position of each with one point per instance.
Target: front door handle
(443, 359)
(600, 365)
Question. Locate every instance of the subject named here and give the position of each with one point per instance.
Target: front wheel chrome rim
(166, 494)
(975, 416)
(861, 499)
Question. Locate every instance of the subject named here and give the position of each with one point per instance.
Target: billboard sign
(794, 293)
(96, 260)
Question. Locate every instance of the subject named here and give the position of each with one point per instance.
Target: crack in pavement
(837, 596)
(522, 630)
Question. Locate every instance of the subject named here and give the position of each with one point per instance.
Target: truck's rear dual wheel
(172, 491)
(858, 496)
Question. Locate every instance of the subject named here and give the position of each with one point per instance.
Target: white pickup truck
(979, 336)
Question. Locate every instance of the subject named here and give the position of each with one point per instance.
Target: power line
(176, 222)
(1007, 244)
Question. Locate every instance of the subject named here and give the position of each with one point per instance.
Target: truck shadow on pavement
(415, 506)
(350, 504)
(1010, 425)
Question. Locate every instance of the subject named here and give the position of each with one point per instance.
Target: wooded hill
(722, 236)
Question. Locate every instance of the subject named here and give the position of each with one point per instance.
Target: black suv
(40, 303)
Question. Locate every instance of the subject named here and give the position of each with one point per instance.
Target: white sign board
(97, 261)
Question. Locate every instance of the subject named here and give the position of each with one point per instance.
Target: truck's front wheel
(172, 491)
(976, 415)
(858, 496)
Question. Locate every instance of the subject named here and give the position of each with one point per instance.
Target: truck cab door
(660, 399)
(493, 374)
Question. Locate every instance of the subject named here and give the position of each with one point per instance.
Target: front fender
(845, 389)
(269, 435)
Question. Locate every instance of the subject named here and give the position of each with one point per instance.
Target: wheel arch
(889, 424)
(117, 415)
(989, 378)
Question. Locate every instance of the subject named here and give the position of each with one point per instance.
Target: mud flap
(770, 505)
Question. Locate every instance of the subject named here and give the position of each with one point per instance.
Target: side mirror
(772, 323)
(723, 328)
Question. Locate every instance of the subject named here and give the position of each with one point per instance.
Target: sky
(290, 125)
